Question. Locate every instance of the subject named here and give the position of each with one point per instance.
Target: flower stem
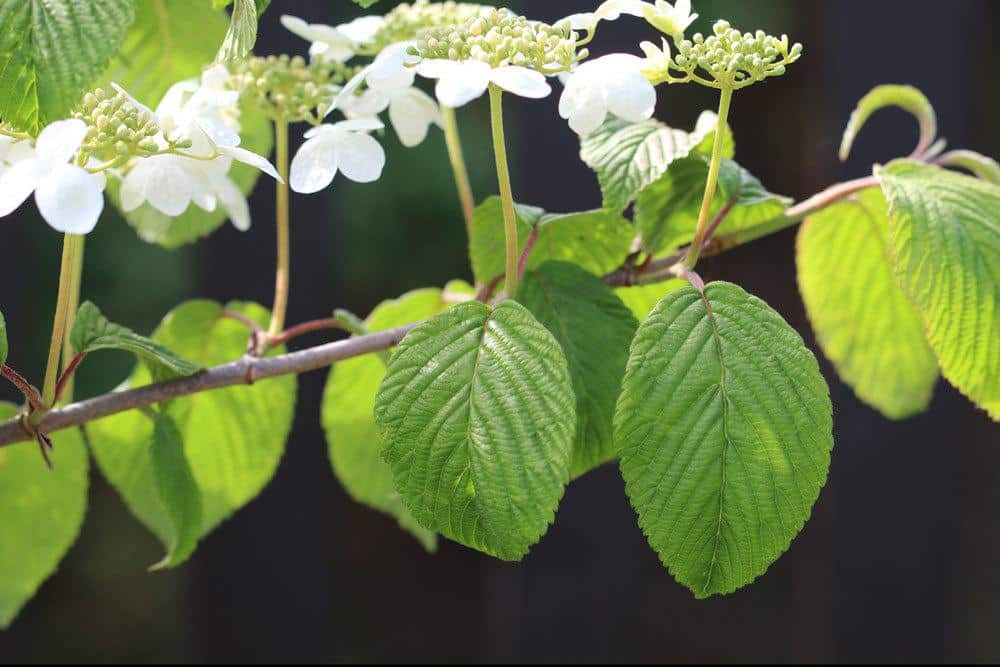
(698, 241)
(76, 278)
(455, 153)
(284, 247)
(506, 194)
(72, 246)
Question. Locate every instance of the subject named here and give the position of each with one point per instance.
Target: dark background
(899, 561)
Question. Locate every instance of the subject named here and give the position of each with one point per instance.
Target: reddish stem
(305, 328)
(67, 374)
(526, 253)
(33, 396)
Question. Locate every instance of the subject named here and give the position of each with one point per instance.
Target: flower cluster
(499, 37)
(289, 89)
(733, 59)
(116, 128)
(409, 21)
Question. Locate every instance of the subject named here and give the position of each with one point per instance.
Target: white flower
(390, 84)
(334, 44)
(69, 198)
(670, 19)
(171, 183)
(13, 151)
(345, 147)
(611, 84)
(608, 11)
(460, 82)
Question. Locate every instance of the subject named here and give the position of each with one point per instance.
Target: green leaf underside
(864, 322)
(666, 212)
(233, 438)
(42, 513)
(724, 429)
(594, 329)
(596, 240)
(51, 51)
(92, 332)
(163, 47)
(945, 239)
(242, 33)
(629, 156)
(641, 299)
(4, 347)
(907, 98)
(355, 441)
(177, 489)
(477, 411)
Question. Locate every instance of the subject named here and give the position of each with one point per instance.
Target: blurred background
(898, 562)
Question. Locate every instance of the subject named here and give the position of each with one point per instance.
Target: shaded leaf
(177, 489)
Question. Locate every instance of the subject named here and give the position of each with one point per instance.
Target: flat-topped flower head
(499, 37)
(499, 48)
(290, 89)
(730, 59)
(118, 128)
(410, 20)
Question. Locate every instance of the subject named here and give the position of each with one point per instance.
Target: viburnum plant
(587, 337)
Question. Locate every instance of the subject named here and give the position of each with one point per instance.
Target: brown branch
(227, 375)
(250, 369)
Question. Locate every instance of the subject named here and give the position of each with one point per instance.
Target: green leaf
(42, 513)
(355, 442)
(907, 98)
(178, 491)
(629, 156)
(233, 438)
(4, 347)
(594, 329)
(724, 429)
(596, 240)
(365, 3)
(52, 51)
(863, 321)
(945, 241)
(92, 332)
(666, 212)
(477, 411)
(641, 299)
(242, 33)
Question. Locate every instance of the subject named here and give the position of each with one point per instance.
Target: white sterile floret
(612, 84)
(611, 10)
(460, 82)
(345, 147)
(203, 114)
(69, 198)
(334, 44)
(390, 85)
(670, 19)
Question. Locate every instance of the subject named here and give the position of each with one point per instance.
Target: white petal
(463, 84)
(136, 103)
(613, 9)
(521, 81)
(315, 165)
(169, 186)
(435, 68)
(132, 193)
(361, 157)
(17, 184)
(583, 21)
(583, 104)
(362, 29)
(631, 97)
(217, 131)
(215, 77)
(234, 202)
(412, 114)
(252, 159)
(60, 141)
(356, 125)
(70, 200)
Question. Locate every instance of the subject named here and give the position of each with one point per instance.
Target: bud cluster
(116, 128)
(735, 59)
(499, 37)
(289, 88)
(410, 20)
